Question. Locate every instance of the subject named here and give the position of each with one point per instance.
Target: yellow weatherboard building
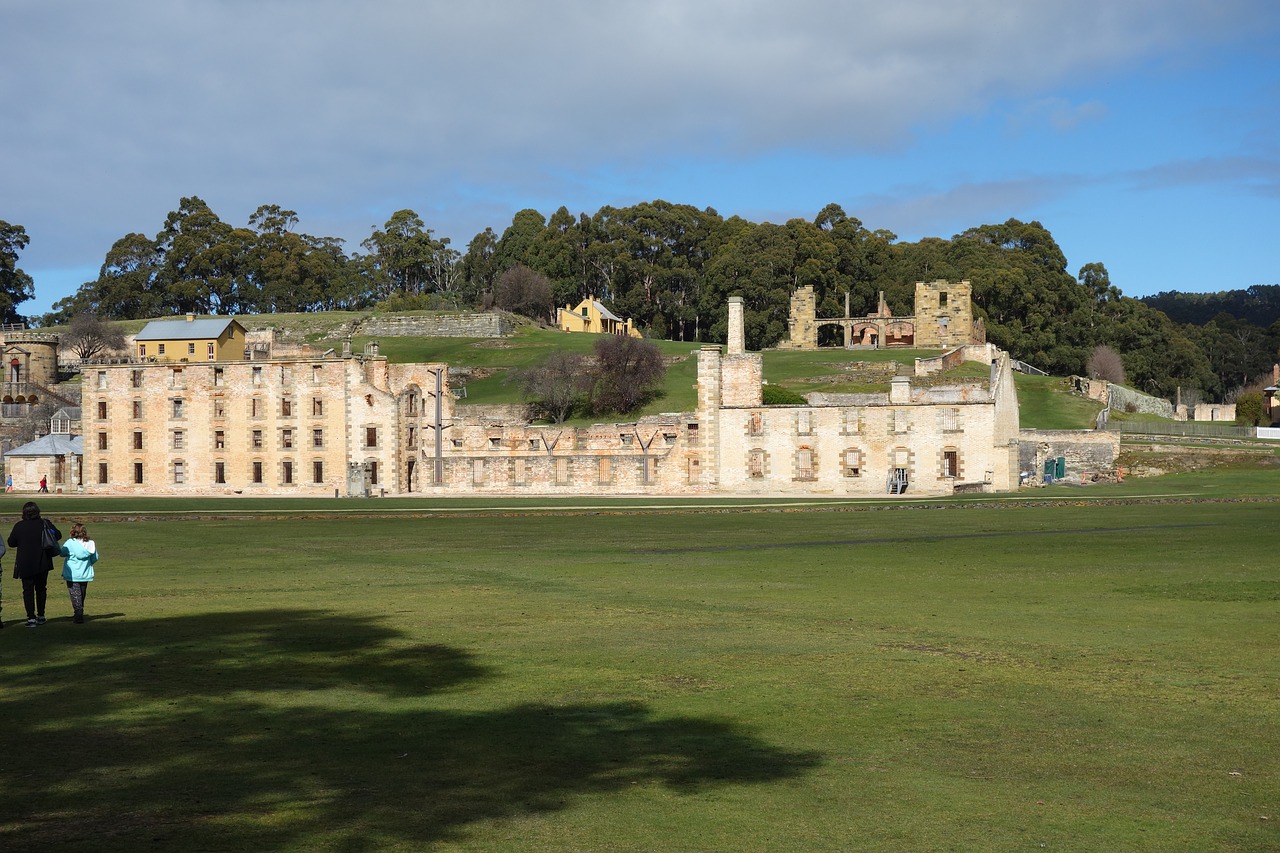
(189, 339)
(592, 317)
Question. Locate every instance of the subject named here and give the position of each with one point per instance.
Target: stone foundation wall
(1084, 450)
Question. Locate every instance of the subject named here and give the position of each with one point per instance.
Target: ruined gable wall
(944, 314)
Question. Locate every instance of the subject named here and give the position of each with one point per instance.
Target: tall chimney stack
(737, 337)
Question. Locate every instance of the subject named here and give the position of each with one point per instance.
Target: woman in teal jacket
(77, 570)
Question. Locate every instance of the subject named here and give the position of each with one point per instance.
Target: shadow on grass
(275, 729)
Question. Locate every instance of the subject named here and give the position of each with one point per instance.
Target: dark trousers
(35, 590)
(78, 590)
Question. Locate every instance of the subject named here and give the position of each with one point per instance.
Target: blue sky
(1143, 134)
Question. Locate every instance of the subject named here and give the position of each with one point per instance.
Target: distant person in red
(44, 484)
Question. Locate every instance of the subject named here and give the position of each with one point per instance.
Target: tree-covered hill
(1258, 305)
(670, 268)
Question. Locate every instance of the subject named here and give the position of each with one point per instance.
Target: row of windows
(177, 375)
(174, 349)
(851, 462)
(287, 472)
(287, 438)
(519, 473)
(178, 408)
(802, 421)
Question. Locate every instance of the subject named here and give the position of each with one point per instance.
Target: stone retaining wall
(489, 325)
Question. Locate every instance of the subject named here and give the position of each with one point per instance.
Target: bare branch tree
(91, 336)
(628, 372)
(556, 385)
(1105, 363)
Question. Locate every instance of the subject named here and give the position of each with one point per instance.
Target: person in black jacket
(32, 565)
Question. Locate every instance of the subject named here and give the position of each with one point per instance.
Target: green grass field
(1067, 669)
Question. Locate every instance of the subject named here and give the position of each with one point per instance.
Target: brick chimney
(737, 343)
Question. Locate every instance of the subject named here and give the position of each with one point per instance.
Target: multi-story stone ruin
(943, 318)
(357, 424)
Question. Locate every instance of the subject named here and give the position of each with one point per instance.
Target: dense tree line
(670, 268)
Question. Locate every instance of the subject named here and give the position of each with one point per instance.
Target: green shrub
(776, 395)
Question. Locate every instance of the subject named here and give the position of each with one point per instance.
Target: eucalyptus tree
(16, 286)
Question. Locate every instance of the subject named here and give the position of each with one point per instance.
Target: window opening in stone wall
(852, 462)
(317, 438)
(901, 422)
(286, 407)
(755, 423)
(255, 407)
(286, 374)
(317, 376)
(219, 439)
(257, 471)
(220, 472)
(533, 444)
(257, 438)
(137, 410)
(495, 443)
(179, 472)
(317, 407)
(175, 378)
(373, 472)
(950, 420)
(942, 299)
(102, 379)
(693, 433)
(562, 471)
(755, 464)
(853, 421)
(102, 472)
(257, 376)
(804, 464)
(317, 471)
(950, 463)
(102, 441)
(137, 472)
(804, 422)
(695, 469)
(413, 438)
(219, 408)
(102, 410)
(177, 408)
(477, 472)
(286, 439)
(604, 471)
(370, 436)
(219, 377)
(287, 472)
(137, 441)
(179, 439)
(136, 378)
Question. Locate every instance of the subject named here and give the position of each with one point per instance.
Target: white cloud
(347, 111)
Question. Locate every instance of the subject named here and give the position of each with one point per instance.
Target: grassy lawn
(1044, 403)
(1061, 672)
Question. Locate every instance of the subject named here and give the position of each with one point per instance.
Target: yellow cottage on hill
(592, 317)
(209, 339)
